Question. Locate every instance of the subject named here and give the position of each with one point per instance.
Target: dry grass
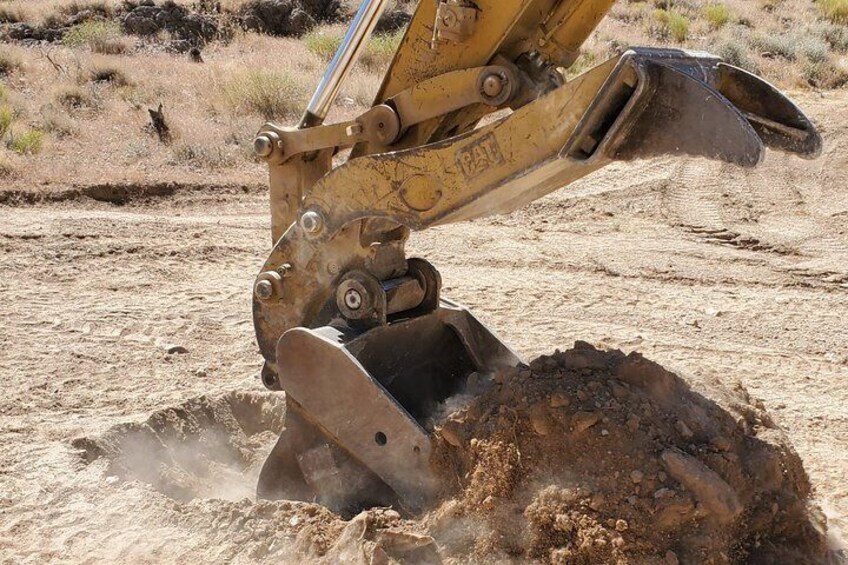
(835, 10)
(9, 63)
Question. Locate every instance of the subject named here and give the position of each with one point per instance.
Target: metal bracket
(455, 21)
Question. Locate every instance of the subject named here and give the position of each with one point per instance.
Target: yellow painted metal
(503, 28)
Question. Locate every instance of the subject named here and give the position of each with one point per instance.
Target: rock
(541, 420)
(636, 476)
(671, 558)
(559, 400)
(582, 421)
(286, 17)
(391, 21)
(173, 18)
(597, 502)
(721, 443)
(176, 349)
(451, 433)
(683, 429)
(620, 526)
(21, 32)
(663, 493)
(707, 486)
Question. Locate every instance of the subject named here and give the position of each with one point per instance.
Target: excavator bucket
(368, 351)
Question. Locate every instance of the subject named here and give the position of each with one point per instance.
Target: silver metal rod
(354, 41)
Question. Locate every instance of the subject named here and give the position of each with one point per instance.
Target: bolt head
(264, 290)
(492, 86)
(263, 146)
(353, 299)
(312, 222)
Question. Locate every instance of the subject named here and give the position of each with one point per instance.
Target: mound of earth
(585, 456)
(592, 456)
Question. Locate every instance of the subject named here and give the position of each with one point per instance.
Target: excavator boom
(356, 333)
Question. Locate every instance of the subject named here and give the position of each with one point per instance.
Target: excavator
(476, 116)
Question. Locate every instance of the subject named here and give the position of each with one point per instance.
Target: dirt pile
(206, 447)
(585, 456)
(591, 456)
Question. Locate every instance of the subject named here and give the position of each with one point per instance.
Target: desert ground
(126, 291)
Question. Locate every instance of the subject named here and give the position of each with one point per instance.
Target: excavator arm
(358, 334)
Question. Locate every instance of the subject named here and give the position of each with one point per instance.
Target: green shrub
(271, 95)
(99, 36)
(377, 54)
(7, 115)
(323, 43)
(380, 50)
(716, 14)
(670, 24)
(29, 142)
(834, 10)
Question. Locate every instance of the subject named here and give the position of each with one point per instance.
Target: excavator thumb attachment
(671, 102)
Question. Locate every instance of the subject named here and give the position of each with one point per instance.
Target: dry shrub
(735, 52)
(783, 45)
(825, 74)
(8, 167)
(73, 98)
(203, 156)
(271, 95)
(105, 73)
(56, 122)
(12, 15)
(835, 35)
(9, 63)
(629, 12)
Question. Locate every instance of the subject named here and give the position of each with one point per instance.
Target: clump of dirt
(591, 456)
